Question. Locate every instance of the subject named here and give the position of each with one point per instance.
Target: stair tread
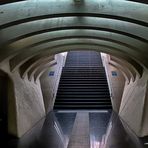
(83, 102)
(83, 83)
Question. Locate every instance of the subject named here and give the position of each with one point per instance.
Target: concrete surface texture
(116, 81)
(50, 81)
(33, 31)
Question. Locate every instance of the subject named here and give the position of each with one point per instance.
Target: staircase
(83, 83)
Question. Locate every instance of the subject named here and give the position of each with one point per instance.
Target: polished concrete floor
(81, 129)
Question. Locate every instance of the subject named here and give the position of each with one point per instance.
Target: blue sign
(51, 73)
(114, 73)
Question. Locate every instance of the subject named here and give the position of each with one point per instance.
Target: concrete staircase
(83, 83)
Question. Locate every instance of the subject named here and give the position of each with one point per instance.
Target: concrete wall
(116, 83)
(49, 84)
(133, 108)
(129, 95)
(25, 103)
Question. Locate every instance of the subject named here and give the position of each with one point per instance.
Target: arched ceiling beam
(125, 67)
(116, 26)
(89, 27)
(50, 42)
(36, 60)
(21, 58)
(119, 68)
(62, 48)
(48, 36)
(128, 65)
(41, 9)
(23, 67)
(25, 44)
(37, 69)
(39, 58)
(41, 70)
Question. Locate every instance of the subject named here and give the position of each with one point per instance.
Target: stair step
(93, 86)
(83, 102)
(82, 75)
(83, 83)
(82, 90)
(61, 89)
(82, 99)
(83, 106)
(82, 93)
(79, 72)
(84, 71)
(82, 96)
(83, 79)
(85, 75)
(83, 67)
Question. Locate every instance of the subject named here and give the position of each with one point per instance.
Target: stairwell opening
(83, 84)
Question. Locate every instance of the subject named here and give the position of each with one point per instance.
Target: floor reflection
(98, 123)
(47, 133)
(105, 128)
(66, 122)
(112, 134)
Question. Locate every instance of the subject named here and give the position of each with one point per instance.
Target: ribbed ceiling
(33, 29)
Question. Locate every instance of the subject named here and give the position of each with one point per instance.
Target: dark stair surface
(83, 83)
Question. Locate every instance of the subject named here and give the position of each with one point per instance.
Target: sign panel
(114, 73)
(51, 73)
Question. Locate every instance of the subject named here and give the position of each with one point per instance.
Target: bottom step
(82, 107)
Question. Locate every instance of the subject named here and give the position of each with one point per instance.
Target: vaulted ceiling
(32, 31)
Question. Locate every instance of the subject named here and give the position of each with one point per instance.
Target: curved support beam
(131, 67)
(42, 9)
(42, 69)
(125, 74)
(88, 33)
(32, 62)
(20, 59)
(126, 66)
(40, 39)
(138, 68)
(109, 15)
(118, 54)
(33, 28)
(33, 70)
